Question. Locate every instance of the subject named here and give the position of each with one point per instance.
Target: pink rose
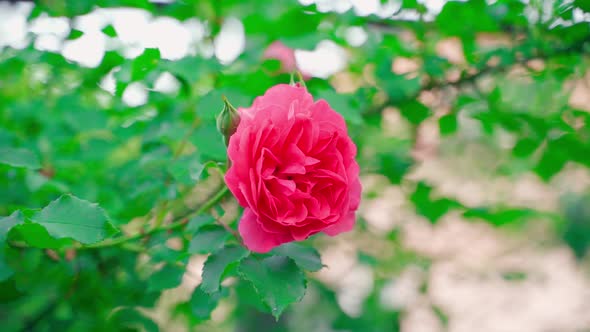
(293, 169)
(285, 55)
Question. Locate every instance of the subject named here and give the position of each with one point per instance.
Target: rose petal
(345, 224)
(302, 233)
(282, 96)
(322, 112)
(283, 186)
(255, 238)
(232, 182)
(296, 215)
(355, 191)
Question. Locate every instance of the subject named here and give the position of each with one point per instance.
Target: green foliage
(448, 124)
(19, 158)
(128, 318)
(576, 230)
(106, 204)
(305, 257)
(344, 105)
(71, 217)
(168, 277)
(208, 239)
(202, 303)
(473, 14)
(414, 111)
(218, 264)
(277, 280)
(429, 207)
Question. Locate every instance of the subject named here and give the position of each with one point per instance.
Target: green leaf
(367, 259)
(472, 15)
(209, 142)
(208, 239)
(435, 66)
(75, 34)
(271, 65)
(575, 230)
(343, 104)
(277, 280)
(447, 124)
(305, 42)
(37, 236)
(168, 277)
(71, 217)
(145, 63)
(196, 222)
(203, 303)
(393, 166)
(34, 180)
(414, 111)
(399, 88)
(431, 208)
(81, 118)
(130, 319)
(499, 217)
(200, 68)
(109, 30)
(211, 104)
(5, 270)
(217, 264)
(19, 158)
(525, 147)
(464, 100)
(583, 5)
(552, 161)
(10, 292)
(162, 253)
(306, 257)
(575, 33)
(413, 4)
(392, 157)
(6, 223)
(248, 297)
(186, 170)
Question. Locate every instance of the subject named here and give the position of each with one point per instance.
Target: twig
(231, 231)
(179, 222)
(469, 79)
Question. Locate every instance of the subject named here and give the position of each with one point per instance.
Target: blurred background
(471, 118)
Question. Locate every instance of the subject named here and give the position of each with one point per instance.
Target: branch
(232, 232)
(471, 78)
(179, 222)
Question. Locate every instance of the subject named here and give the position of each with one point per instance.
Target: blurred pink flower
(286, 55)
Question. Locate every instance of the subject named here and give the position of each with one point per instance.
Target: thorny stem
(231, 231)
(177, 223)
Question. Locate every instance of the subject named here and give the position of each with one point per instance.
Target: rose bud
(293, 169)
(227, 120)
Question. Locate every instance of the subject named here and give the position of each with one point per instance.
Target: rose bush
(293, 169)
